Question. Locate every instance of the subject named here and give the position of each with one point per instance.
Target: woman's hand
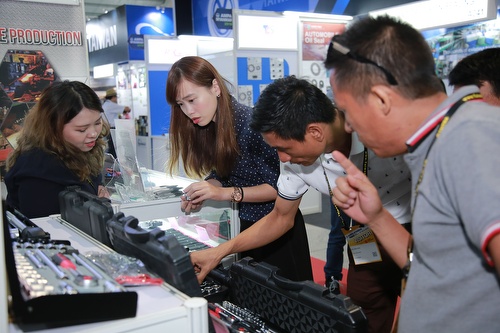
(102, 192)
(196, 193)
(187, 204)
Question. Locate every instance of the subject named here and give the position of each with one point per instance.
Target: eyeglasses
(345, 51)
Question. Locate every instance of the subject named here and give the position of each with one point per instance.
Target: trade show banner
(450, 45)
(161, 53)
(107, 38)
(147, 21)
(315, 39)
(118, 36)
(58, 31)
(214, 17)
(40, 43)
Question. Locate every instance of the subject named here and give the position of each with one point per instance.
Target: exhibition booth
(133, 49)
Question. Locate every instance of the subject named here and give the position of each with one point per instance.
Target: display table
(162, 208)
(160, 308)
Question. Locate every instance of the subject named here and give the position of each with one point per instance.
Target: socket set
(237, 319)
(214, 291)
(51, 269)
(51, 285)
(189, 243)
(245, 95)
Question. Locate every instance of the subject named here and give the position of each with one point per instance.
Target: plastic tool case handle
(87, 196)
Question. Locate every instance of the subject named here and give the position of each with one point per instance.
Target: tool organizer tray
(52, 285)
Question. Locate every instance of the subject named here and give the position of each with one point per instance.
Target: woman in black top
(61, 144)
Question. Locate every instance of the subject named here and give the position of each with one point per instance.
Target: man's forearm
(262, 232)
(393, 237)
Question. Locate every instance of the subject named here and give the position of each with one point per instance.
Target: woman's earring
(218, 95)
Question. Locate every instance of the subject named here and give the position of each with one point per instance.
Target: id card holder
(363, 245)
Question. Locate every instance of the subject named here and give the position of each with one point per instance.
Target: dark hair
(477, 68)
(392, 44)
(288, 105)
(44, 124)
(203, 149)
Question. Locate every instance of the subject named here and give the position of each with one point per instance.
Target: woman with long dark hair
(61, 144)
(210, 134)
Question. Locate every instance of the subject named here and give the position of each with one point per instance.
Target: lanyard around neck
(365, 171)
(442, 125)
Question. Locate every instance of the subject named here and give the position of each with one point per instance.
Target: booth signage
(40, 37)
(118, 36)
(47, 47)
(223, 18)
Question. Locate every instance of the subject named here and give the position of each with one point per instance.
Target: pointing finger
(348, 166)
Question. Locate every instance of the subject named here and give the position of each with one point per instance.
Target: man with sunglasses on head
(304, 126)
(383, 78)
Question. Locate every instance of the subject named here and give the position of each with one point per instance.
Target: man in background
(112, 109)
(481, 69)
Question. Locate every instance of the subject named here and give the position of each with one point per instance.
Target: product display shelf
(168, 207)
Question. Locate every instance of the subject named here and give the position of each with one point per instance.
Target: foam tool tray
(52, 285)
(292, 307)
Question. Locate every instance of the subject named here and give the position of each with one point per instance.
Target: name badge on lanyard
(361, 241)
(363, 245)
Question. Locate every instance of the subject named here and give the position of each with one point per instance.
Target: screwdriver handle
(63, 261)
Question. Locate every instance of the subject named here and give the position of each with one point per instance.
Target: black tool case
(59, 309)
(87, 212)
(292, 307)
(161, 253)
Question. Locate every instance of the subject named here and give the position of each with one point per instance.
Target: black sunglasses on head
(347, 52)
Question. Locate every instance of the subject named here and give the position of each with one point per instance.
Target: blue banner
(159, 110)
(214, 17)
(209, 17)
(151, 21)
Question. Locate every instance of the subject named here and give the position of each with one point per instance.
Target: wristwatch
(237, 195)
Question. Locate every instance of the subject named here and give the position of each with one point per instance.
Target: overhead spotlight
(163, 10)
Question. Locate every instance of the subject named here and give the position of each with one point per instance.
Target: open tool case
(42, 298)
(289, 306)
(251, 295)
